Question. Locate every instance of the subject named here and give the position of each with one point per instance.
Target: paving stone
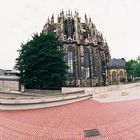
(114, 120)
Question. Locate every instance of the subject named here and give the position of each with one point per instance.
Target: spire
(77, 13)
(52, 18)
(101, 36)
(48, 20)
(69, 12)
(90, 20)
(62, 14)
(58, 19)
(86, 20)
(62, 11)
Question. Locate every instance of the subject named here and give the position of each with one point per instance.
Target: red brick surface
(115, 121)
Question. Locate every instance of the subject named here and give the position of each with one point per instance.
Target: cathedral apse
(86, 51)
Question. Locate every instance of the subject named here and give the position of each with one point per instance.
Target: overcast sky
(118, 20)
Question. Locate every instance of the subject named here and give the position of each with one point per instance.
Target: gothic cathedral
(86, 52)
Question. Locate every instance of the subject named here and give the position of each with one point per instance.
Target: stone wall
(9, 85)
(97, 90)
(49, 92)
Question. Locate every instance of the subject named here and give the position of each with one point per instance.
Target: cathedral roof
(116, 63)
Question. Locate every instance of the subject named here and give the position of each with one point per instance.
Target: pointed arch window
(121, 74)
(114, 76)
(70, 59)
(86, 62)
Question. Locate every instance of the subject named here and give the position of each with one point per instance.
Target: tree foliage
(136, 68)
(40, 62)
(133, 68)
(129, 67)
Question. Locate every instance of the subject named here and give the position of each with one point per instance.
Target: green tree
(41, 63)
(133, 68)
(130, 67)
(136, 68)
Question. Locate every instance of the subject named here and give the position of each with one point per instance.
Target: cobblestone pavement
(115, 121)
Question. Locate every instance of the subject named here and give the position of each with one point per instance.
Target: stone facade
(9, 80)
(116, 76)
(86, 52)
(9, 85)
(116, 72)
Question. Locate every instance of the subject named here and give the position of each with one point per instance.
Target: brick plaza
(115, 121)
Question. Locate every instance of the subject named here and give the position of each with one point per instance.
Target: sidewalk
(113, 96)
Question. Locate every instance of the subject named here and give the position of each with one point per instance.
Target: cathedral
(86, 51)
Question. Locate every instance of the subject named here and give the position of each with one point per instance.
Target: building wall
(92, 75)
(9, 85)
(121, 76)
(1, 72)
